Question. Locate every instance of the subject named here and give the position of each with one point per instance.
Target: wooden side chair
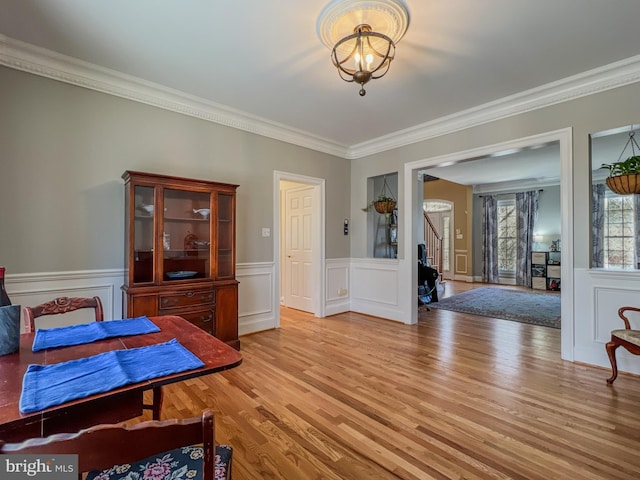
(161, 450)
(58, 306)
(627, 338)
(61, 305)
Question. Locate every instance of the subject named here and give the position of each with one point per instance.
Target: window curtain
(490, 239)
(527, 208)
(598, 191)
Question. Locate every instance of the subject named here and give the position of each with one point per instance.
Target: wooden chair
(58, 306)
(114, 451)
(627, 338)
(61, 305)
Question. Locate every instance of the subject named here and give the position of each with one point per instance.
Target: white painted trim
(40, 61)
(565, 138)
(319, 256)
(35, 288)
(337, 277)
(606, 77)
(46, 63)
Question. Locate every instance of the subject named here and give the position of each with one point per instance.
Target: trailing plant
(629, 166)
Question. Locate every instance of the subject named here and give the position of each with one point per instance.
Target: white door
(298, 251)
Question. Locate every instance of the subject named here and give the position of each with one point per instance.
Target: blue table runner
(91, 332)
(45, 386)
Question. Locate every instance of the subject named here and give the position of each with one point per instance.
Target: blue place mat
(45, 386)
(90, 332)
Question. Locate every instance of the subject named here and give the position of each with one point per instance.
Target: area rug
(535, 308)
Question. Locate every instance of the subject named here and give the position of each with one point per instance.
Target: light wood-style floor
(455, 397)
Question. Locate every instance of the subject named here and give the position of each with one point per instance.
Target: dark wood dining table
(111, 407)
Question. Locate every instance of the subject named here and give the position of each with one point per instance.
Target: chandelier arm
(338, 63)
(348, 79)
(386, 64)
(373, 49)
(375, 77)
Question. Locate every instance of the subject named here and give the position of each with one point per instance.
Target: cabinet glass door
(143, 235)
(186, 235)
(224, 245)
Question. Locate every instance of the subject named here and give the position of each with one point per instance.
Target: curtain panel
(527, 208)
(490, 239)
(598, 191)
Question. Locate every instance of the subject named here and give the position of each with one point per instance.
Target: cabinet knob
(167, 302)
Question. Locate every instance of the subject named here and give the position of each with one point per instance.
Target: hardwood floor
(454, 397)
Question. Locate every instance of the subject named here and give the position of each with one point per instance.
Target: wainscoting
(370, 286)
(36, 288)
(601, 293)
(256, 310)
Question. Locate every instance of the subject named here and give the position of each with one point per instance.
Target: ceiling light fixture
(362, 35)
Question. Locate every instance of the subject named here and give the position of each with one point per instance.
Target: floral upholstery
(180, 464)
(631, 336)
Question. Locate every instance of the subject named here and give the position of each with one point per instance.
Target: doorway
(414, 217)
(299, 248)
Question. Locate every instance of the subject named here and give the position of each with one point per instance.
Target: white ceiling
(264, 58)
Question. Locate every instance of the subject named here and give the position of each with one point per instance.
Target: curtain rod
(480, 196)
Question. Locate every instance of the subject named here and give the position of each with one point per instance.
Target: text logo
(39, 467)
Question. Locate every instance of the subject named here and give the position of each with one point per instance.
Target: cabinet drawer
(539, 283)
(204, 319)
(553, 271)
(187, 298)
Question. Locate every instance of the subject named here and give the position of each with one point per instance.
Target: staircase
(433, 242)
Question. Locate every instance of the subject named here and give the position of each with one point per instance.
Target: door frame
(413, 209)
(319, 220)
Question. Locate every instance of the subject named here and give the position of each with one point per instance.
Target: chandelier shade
(369, 56)
(362, 36)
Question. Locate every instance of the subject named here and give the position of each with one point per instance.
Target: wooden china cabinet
(180, 251)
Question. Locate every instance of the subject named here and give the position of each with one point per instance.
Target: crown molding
(607, 77)
(40, 61)
(46, 63)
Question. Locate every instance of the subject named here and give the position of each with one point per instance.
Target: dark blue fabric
(44, 386)
(90, 332)
(181, 463)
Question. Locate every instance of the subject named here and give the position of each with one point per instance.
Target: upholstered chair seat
(628, 338)
(631, 336)
(180, 463)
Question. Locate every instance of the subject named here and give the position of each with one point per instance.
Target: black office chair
(427, 278)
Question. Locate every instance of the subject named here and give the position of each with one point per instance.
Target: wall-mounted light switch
(266, 232)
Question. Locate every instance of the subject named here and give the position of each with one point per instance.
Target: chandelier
(362, 35)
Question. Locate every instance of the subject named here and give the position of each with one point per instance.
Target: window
(446, 242)
(507, 236)
(619, 231)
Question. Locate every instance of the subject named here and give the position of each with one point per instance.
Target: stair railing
(433, 242)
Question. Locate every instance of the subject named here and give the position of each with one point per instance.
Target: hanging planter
(624, 184)
(624, 176)
(383, 203)
(386, 205)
